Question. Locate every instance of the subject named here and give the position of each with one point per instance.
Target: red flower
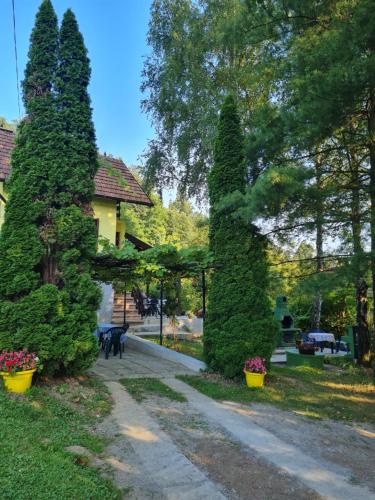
(17, 361)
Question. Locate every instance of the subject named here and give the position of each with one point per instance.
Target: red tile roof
(113, 179)
(6, 146)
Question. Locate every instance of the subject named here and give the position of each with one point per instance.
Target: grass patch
(88, 395)
(193, 348)
(335, 394)
(36, 428)
(341, 362)
(140, 388)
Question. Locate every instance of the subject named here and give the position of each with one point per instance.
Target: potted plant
(255, 370)
(307, 348)
(17, 369)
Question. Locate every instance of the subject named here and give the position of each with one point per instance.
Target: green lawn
(140, 388)
(340, 395)
(36, 428)
(193, 348)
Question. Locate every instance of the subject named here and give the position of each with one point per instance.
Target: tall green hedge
(239, 322)
(48, 300)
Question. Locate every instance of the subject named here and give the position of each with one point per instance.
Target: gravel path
(316, 474)
(349, 449)
(239, 469)
(210, 450)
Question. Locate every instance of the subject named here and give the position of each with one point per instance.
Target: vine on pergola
(127, 267)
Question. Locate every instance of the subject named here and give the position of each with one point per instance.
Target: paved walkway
(172, 471)
(136, 364)
(169, 473)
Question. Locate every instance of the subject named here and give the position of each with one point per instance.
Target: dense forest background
(303, 76)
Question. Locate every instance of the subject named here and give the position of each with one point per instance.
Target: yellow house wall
(104, 210)
(120, 228)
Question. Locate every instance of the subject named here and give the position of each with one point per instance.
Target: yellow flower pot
(254, 379)
(18, 382)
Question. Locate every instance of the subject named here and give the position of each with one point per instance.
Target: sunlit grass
(140, 388)
(355, 399)
(193, 348)
(36, 429)
(365, 388)
(336, 394)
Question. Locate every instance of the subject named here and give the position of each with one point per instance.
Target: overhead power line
(16, 56)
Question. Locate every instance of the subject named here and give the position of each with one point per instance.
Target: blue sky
(115, 34)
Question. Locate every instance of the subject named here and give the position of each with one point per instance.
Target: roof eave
(124, 200)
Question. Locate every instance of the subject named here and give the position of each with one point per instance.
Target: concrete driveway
(135, 364)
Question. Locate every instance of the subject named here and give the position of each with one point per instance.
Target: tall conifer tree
(239, 321)
(75, 229)
(75, 111)
(47, 298)
(29, 309)
(21, 246)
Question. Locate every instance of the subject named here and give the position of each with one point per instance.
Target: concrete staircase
(132, 315)
(279, 355)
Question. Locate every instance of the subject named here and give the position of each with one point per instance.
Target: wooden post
(204, 293)
(161, 313)
(125, 306)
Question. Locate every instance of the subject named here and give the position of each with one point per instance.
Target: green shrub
(45, 322)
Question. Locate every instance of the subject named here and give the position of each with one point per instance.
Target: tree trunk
(361, 285)
(371, 133)
(49, 270)
(362, 325)
(317, 308)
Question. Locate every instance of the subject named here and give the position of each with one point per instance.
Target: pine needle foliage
(48, 300)
(239, 323)
(74, 106)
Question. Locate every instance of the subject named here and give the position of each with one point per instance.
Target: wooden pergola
(122, 272)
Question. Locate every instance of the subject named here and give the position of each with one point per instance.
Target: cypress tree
(47, 298)
(21, 249)
(30, 311)
(75, 112)
(75, 228)
(239, 322)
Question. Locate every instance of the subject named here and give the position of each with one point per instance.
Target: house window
(118, 237)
